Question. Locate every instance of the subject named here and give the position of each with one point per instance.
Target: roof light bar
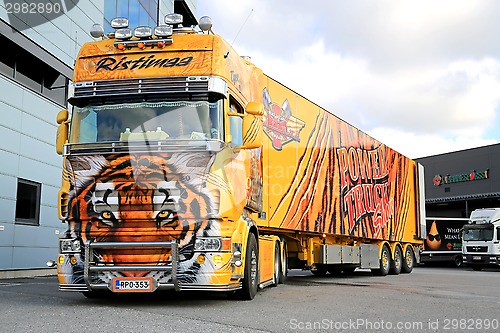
(119, 23)
(123, 34)
(173, 19)
(163, 31)
(143, 32)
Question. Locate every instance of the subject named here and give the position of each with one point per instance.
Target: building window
(33, 72)
(138, 12)
(28, 202)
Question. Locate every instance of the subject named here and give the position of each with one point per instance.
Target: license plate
(132, 284)
(476, 258)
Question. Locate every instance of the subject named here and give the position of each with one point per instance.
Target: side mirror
(62, 130)
(252, 125)
(252, 131)
(255, 108)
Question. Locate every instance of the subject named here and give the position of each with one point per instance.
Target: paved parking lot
(430, 299)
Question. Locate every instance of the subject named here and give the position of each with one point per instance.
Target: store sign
(463, 177)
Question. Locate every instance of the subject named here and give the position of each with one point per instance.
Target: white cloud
(421, 76)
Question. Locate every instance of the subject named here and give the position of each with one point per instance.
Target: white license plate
(132, 284)
(476, 258)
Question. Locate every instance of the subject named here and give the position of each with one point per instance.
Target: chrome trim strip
(147, 42)
(211, 287)
(138, 268)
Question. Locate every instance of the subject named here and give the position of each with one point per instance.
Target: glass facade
(138, 12)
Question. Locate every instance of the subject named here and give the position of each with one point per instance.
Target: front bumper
(171, 276)
(477, 259)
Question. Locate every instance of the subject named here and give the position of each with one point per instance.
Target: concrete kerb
(27, 273)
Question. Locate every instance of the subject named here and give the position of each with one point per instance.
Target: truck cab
(481, 239)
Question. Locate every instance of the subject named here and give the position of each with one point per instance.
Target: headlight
(69, 245)
(207, 244)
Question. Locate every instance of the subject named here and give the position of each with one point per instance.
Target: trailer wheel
(408, 261)
(397, 262)
(384, 262)
(251, 275)
(476, 267)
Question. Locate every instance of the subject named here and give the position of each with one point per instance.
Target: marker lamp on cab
(143, 32)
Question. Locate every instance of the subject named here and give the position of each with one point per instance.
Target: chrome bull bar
(91, 266)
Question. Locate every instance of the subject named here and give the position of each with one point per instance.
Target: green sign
(463, 177)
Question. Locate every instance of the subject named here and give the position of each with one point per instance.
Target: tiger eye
(106, 215)
(163, 214)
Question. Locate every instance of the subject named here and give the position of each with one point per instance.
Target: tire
(458, 261)
(384, 262)
(408, 261)
(477, 268)
(320, 270)
(251, 274)
(277, 265)
(397, 262)
(284, 265)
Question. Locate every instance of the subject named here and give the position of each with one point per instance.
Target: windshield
(194, 120)
(478, 233)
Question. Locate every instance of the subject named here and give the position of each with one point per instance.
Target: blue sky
(421, 76)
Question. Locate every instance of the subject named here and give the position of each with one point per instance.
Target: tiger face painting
(141, 198)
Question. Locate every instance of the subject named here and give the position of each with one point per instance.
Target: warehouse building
(39, 46)
(456, 183)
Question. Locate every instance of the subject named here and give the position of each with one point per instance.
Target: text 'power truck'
(187, 168)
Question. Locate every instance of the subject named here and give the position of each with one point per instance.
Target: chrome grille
(477, 249)
(161, 85)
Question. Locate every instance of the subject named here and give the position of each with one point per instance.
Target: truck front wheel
(458, 261)
(251, 275)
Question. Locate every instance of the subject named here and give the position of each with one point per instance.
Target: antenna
(231, 46)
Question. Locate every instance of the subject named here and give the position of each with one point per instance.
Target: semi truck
(443, 241)
(481, 239)
(186, 167)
